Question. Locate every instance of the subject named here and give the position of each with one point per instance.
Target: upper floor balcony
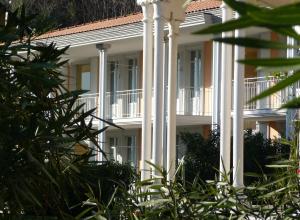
(191, 101)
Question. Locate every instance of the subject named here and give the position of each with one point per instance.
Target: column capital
(223, 5)
(159, 10)
(173, 28)
(227, 12)
(147, 9)
(143, 2)
(102, 46)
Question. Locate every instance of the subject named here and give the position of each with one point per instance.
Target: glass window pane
(195, 72)
(86, 81)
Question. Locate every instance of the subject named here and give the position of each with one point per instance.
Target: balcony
(194, 101)
(254, 86)
(190, 101)
(124, 104)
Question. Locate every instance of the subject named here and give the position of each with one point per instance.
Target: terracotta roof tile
(133, 18)
(203, 5)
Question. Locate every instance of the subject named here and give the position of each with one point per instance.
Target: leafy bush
(274, 197)
(40, 124)
(202, 155)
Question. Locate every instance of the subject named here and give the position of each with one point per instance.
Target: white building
(131, 89)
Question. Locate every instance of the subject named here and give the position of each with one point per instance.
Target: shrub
(39, 126)
(202, 155)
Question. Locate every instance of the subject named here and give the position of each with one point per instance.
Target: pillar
(102, 49)
(172, 86)
(165, 101)
(291, 114)
(157, 145)
(226, 84)
(216, 84)
(238, 110)
(147, 88)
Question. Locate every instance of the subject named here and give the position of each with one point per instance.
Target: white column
(262, 126)
(102, 49)
(147, 88)
(165, 101)
(238, 110)
(216, 84)
(291, 114)
(172, 79)
(226, 84)
(157, 145)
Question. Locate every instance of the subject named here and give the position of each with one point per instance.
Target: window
(132, 78)
(195, 72)
(113, 81)
(132, 74)
(179, 72)
(131, 150)
(86, 81)
(113, 145)
(83, 78)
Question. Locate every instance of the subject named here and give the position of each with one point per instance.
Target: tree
(39, 125)
(73, 12)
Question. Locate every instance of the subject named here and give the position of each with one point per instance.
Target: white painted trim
(122, 32)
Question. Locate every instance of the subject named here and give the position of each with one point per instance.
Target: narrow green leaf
(242, 7)
(276, 18)
(294, 103)
(254, 43)
(271, 62)
(83, 213)
(108, 122)
(279, 166)
(154, 202)
(231, 25)
(279, 86)
(285, 31)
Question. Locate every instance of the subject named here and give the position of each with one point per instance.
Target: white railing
(90, 101)
(190, 101)
(123, 104)
(194, 101)
(254, 86)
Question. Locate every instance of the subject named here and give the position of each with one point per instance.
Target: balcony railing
(90, 101)
(254, 86)
(124, 104)
(190, 101)
(123, 154)
(194, 101)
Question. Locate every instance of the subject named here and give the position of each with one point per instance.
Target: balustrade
(190, 101)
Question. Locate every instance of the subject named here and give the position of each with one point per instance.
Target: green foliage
(66, 13)
(40, 124)
(202, 155)
(274, 197)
